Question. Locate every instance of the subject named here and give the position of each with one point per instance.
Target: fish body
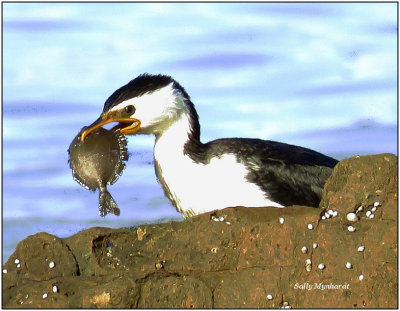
(98, 161)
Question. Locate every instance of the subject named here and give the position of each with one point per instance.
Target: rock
(251, 259)
(362, 181)
(175, 292)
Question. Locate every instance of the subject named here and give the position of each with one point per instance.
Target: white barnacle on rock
(327, 216)
(361, 277)
(222, 218)
(315, 245)
(16, 261)
(4, 271)
(285, 305)
(352, 217)
(308, 261)
(368, 213)
(44, 296)
(308, 268)
(304, 249)
(55, 289)
(228, 222)
(351, 228)
(371, 216)
(361, 248)
(51, 264)
(349, 265)
(269, 297)
(373, 209)
(376, 204)
(360, 208)
(19, 265)
(310, 226)
(281, 220)
(321, 266)
(213, 217)
(335, 213)
(330, 212)
(323, 217)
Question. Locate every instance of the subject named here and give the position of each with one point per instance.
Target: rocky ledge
(297, 257)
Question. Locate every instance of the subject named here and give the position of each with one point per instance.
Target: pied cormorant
(200, 177)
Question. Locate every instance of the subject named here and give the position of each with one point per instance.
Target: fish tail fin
(107, 204)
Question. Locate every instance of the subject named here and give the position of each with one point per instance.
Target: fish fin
(119, 167)
(107, 204)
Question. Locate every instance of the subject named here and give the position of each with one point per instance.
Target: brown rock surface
(237, 261)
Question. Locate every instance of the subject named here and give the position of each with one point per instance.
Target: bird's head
(149, 104)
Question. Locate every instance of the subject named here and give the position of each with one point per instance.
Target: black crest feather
(145, 83)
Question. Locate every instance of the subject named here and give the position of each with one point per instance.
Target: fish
(98, 161)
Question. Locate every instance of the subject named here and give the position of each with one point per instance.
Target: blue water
(320, 75)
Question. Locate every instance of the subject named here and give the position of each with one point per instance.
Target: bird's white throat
(196, 187)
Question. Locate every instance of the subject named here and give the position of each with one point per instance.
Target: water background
(319, 75)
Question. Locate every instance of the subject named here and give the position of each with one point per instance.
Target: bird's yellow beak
(133, 125)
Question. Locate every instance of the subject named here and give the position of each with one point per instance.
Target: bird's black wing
(290, 175)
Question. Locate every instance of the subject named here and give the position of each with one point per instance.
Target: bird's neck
(180, 137)
(175, 164)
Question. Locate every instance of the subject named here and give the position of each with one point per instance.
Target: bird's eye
(129, 109)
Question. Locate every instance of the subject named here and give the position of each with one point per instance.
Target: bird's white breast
(204, 187)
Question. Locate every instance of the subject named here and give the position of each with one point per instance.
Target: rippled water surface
(313, 74)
